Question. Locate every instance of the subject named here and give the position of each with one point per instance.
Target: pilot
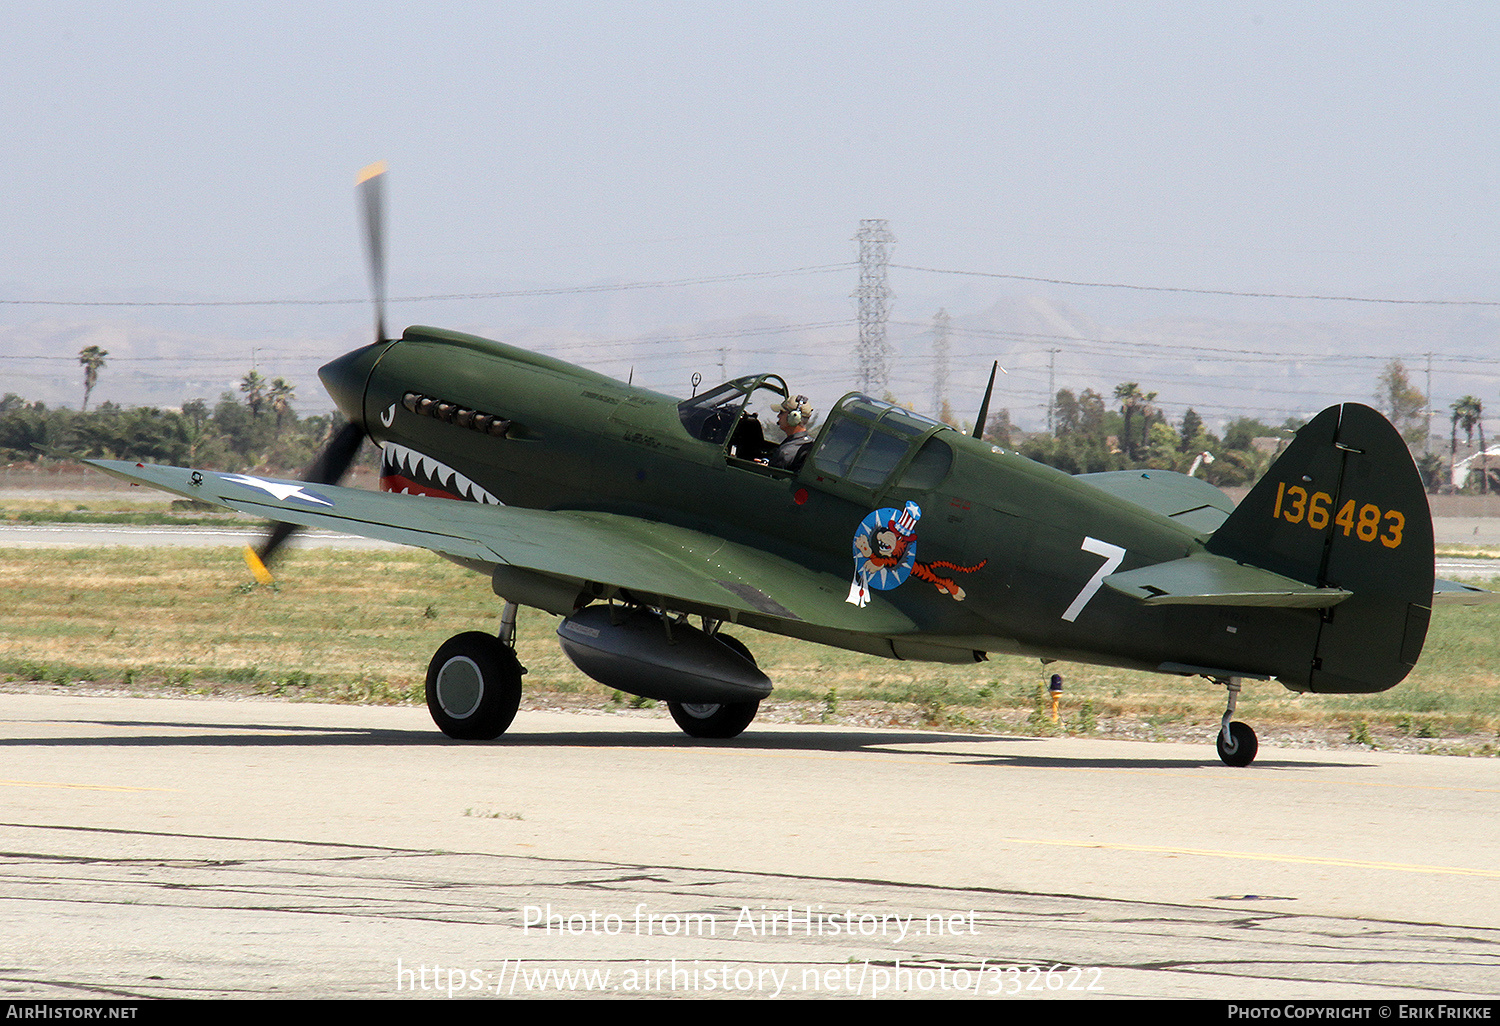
(792, 416)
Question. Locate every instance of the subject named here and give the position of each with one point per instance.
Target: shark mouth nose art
(410, 472)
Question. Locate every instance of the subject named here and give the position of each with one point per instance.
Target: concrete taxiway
(182, 848)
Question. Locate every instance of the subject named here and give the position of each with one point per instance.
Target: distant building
(1469, 463)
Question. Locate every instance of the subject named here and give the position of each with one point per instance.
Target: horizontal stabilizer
(1205, 580)
(1456, 593)
(1195, 504)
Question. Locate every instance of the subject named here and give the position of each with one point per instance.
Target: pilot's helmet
(796, 410)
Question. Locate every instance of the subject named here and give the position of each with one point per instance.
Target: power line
(1200, 292)
(518, 293)
(1239, 354)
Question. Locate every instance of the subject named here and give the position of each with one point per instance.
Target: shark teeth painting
(408, 472)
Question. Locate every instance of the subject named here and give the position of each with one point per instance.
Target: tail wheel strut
(1236, 742)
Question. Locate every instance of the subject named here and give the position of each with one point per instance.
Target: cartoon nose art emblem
(389, 415)
(885, 554)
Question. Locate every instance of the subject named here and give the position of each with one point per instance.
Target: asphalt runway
(181, 848)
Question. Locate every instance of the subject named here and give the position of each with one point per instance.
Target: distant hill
(1224, 358)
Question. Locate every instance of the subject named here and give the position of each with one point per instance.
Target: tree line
(256, 429)
(1091, 433)
(1128, 430)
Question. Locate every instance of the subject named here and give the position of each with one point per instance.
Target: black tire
(1242, 746)
(712, 720)
(715, 720)
(473, 686)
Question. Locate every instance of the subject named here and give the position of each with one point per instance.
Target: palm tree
(1129, 395)
(254, 387)
(1484, 461)
(1468, 413)
(280, 397)
(92, 358)
(1133, 401)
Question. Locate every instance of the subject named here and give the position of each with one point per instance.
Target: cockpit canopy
(867, 441)
(722, 415)
(865, 447)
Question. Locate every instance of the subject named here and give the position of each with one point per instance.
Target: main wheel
(713, 719)
(473, 686)
(1242, 745)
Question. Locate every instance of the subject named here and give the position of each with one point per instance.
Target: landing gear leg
(508, 626)
(1237, 743)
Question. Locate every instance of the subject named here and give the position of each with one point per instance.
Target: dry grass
(360, 626)
(114, 508)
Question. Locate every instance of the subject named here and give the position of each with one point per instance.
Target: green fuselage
(1004, 542)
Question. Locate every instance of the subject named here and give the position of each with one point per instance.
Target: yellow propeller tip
(377, 168)
(257, 567)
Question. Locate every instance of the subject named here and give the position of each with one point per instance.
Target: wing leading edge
(640, 556)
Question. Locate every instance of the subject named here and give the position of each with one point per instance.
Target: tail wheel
(474, 687)
(713, 719)
(1240, 747)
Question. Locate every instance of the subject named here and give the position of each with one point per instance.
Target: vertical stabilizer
(1344, 507)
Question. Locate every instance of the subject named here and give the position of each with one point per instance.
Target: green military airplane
(625, 512)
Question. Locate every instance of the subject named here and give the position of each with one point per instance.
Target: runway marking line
(1309, 860)
(82, 787)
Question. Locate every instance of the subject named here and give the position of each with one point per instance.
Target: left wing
(571, 547)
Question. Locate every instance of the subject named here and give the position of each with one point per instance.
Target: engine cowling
(629, 649)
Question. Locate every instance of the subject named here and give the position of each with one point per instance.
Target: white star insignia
(282, 490)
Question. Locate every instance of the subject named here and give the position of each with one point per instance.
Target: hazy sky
(208, 150)
(212, 147)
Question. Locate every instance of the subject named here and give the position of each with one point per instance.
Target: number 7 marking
(1113, 557)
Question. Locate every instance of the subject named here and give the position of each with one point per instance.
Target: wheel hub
(460, 686)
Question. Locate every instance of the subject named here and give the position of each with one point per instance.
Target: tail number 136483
(1367, 521)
